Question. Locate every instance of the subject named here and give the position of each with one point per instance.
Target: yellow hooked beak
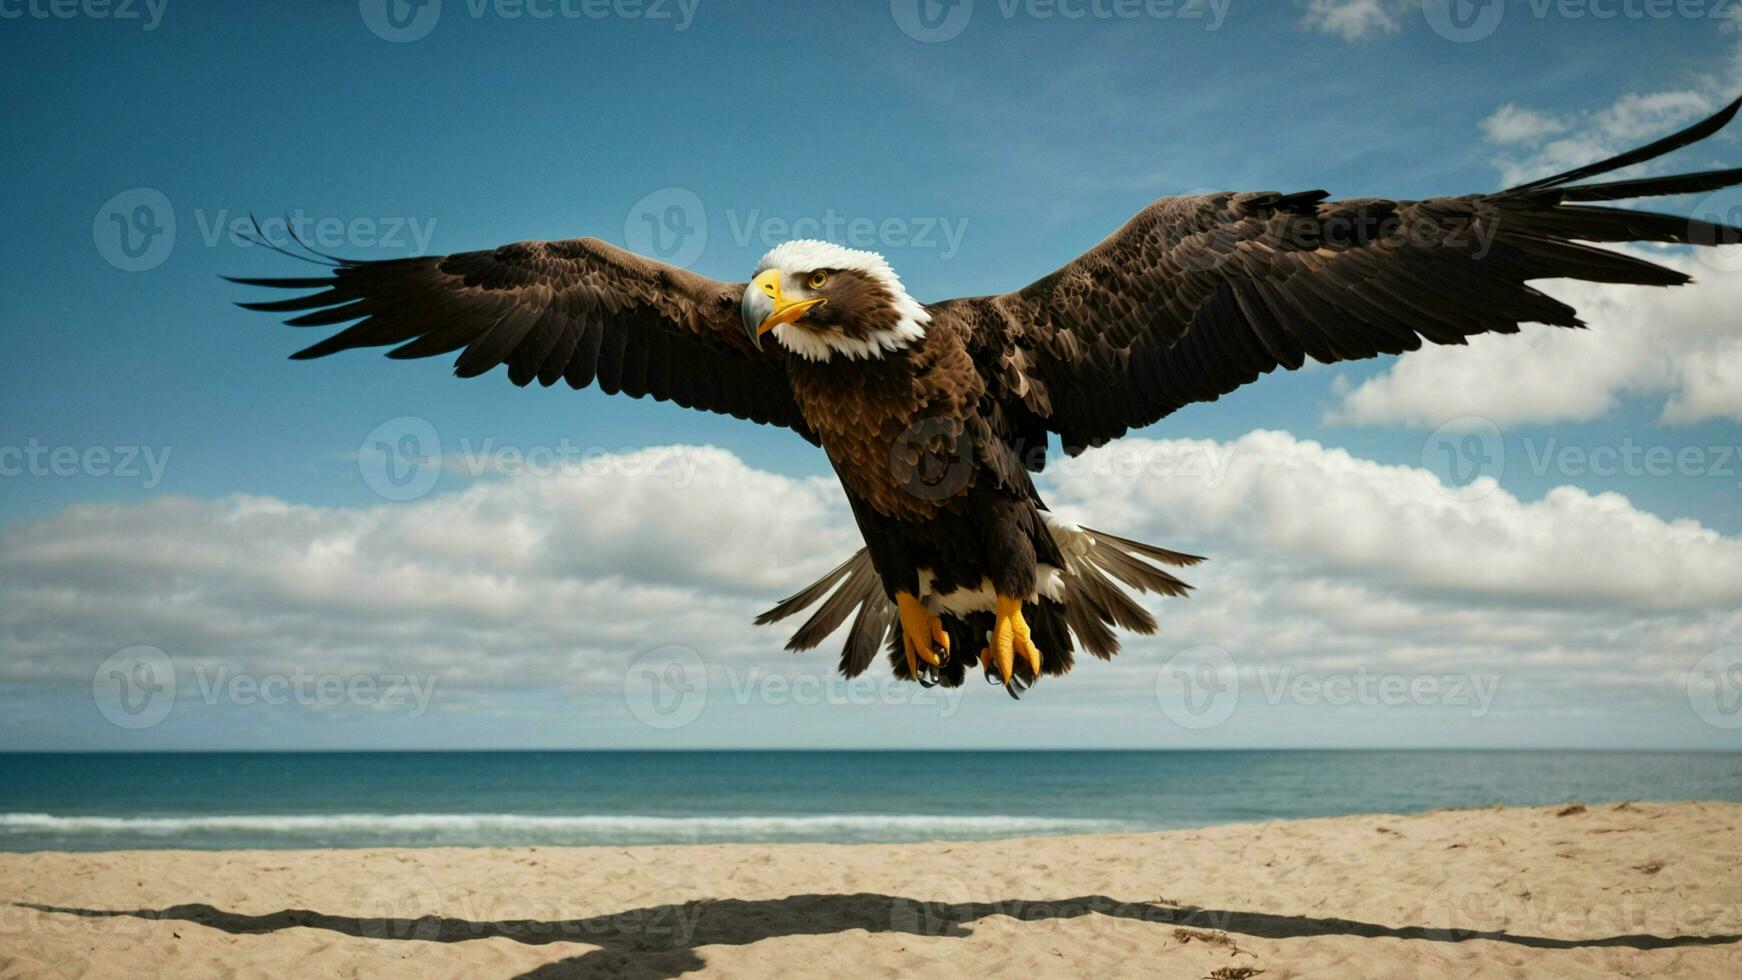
(764, 308)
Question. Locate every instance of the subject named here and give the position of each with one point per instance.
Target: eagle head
(820, 299)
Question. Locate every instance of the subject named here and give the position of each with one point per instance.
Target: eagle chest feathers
(898, 428)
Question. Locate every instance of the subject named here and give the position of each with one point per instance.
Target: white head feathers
(797, 259)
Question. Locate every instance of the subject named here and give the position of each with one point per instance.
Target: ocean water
(376, 799)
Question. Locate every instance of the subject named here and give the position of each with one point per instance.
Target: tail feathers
(1093, 604)
(1101, 572)
(860, 588)
(807, 596)
(1175, 558)
(876, 620)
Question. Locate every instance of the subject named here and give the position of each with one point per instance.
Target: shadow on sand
(661, 941)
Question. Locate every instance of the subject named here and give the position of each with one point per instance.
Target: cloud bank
(1321, 560)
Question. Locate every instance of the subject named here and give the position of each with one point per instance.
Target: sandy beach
(1630, 889)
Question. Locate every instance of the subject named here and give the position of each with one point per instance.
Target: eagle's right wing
(580, 310)
(1197, 296)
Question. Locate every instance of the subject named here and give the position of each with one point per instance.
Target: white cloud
(525, 582)
(1320, 559)
(1679, 344)
(1325, 561)
(1532, 149)
(1512, 123)
(1355, 20)
(1321, 513)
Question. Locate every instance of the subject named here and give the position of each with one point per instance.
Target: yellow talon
(922, 633)
(1010, 637)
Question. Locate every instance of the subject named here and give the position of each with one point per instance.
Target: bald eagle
(936, 415)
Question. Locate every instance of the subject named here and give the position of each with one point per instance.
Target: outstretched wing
(1197, 296)
(581, 311)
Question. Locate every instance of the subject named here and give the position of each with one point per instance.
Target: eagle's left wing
(581, 311)
(1197, 296)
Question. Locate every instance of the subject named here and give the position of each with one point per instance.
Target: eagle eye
(818, 279)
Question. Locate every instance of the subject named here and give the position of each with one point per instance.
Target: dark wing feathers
(1196, 296)
(580, 311)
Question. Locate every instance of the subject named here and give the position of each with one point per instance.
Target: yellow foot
(923, 636)
(1010, 639)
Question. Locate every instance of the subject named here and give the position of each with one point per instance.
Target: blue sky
(1001, 152)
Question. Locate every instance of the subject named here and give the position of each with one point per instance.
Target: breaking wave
(413, 829)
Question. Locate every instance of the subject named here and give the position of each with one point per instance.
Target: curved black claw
(1018, 686)
(992, 677)
(942, 653)
(927, 675)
